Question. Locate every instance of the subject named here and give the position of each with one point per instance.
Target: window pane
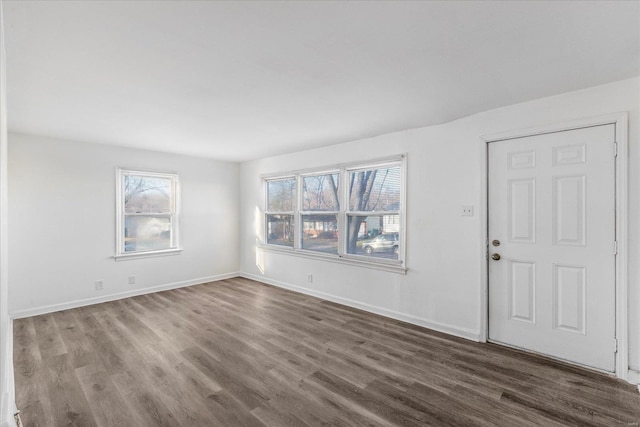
(374, 235)
(375, 189)
(320, 193)
(320, 233)
(147, 233)
(281, 195)
(146, 194)
(280, 230)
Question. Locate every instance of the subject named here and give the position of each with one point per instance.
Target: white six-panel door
(552, 210)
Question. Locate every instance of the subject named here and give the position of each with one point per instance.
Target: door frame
(620, 120)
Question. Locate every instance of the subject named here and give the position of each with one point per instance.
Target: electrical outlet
(310, 278)
(132, 280)
(99, 285)
(467, 210)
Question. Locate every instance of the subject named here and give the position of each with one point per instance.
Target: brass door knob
(495, 257)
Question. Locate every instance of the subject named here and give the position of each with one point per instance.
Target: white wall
(443, 286)
(62, 234)
(62, 217)
(7, 390)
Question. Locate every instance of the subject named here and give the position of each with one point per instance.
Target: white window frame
(267, 212)
(174, 215)
(347, 212)
(301, 212)
(342, 256)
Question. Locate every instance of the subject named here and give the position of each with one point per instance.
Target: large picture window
(147, 208)
(351, 212)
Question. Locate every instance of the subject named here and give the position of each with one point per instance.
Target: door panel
(521, 210)
(569, 210)
(569, 288)
(552, 208)
(522, 291)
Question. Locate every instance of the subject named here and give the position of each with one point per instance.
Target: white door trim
(620, 120)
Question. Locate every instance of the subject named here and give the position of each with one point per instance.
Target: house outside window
(281, 200)
(320, 208)
(352, 212)
(373, 214)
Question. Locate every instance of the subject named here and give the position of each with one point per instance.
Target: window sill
(376, 263)
(150, 254)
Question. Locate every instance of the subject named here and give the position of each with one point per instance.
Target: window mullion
(319, 212)
(297, 218)
(265, 217)
(373, 213)
(280, 213)
(149, 213)
(344, 206)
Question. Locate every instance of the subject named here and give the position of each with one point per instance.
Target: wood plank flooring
(241, 353)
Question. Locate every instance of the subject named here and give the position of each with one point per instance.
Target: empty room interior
(283, 213)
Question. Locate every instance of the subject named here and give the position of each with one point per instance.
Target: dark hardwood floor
(240, 353)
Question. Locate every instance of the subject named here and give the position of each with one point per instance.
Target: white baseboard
(633, 377)
(120, 295)
(469, 334)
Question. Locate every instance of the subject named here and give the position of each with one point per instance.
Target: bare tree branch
(381, 187)
(334, 188)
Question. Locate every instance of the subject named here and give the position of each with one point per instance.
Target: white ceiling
(244, 80)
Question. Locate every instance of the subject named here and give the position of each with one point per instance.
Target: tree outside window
(362, 218)
(147, 212)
